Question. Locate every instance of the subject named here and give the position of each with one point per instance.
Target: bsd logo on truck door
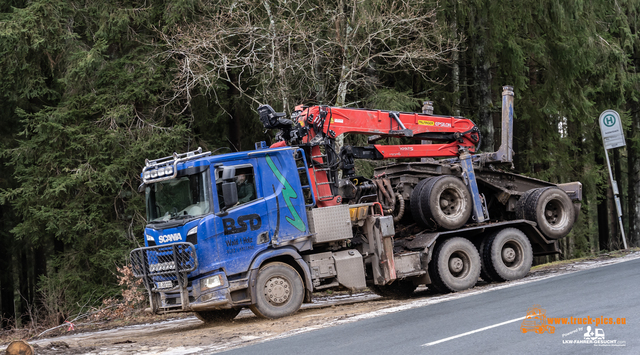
(253, 220)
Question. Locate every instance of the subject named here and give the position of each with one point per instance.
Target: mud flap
(380, 232)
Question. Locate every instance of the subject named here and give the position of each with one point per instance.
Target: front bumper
(164, 270)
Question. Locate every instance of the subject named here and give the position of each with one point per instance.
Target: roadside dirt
(188, 335)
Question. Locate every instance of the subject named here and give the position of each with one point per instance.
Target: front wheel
(279, 291)
(455, 265)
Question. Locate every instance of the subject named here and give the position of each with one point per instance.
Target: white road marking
(473, 331)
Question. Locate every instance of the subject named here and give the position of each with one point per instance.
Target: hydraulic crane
(315, 129)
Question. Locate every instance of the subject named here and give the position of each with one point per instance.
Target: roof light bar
(166, 168)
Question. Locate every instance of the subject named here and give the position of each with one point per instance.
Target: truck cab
(212, 218)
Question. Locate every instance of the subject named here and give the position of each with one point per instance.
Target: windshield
(179, 198)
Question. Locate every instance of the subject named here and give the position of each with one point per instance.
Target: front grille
(163, 263)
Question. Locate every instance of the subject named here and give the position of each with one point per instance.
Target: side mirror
(230, 194)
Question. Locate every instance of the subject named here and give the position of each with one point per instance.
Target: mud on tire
(506, 255)
(279, 291)
(441, 202)
(414, 203)
(551, 208)
(483, 267)
(455, 265)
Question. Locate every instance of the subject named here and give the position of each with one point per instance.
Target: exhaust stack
(505, 152)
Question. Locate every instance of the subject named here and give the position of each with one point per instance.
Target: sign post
(613, 137)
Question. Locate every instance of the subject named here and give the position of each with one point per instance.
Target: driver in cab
(245, 189)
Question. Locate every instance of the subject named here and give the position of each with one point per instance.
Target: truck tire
(279, 291)
(445, 202)
(455, 265)
(483, 267)
(414, 204)
(400, 289)
(521, 203)
(552, 209)
(506, 255)
(217, 316)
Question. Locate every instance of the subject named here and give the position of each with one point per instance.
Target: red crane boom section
(454, 133)
(335, 121)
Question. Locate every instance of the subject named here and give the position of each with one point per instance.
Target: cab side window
(245, 183)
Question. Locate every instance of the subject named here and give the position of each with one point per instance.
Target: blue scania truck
(266, 228)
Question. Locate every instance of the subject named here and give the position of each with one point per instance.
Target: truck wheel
(507, 255)
(445, 202)
(400, 289)
(415, 205)
(279, 291)
(483, 267)
(520, 214)
(552, 209)
(218, 316)
(455, 265)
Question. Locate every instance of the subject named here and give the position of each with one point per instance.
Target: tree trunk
(456, 68)
(633, 150)
(7, 309)
(603, 218)
(236, 111)
(345, 72)
(24, 285)
(482, 74)
(320, 78)
(40, 269)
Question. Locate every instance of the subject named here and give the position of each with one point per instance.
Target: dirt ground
(188, 335)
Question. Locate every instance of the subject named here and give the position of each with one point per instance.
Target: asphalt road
(490, 323)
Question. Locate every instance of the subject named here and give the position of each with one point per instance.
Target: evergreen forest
(91, 88)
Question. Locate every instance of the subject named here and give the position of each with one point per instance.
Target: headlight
(154, 173)
(147, 175)
(160, 171)
(211, 282)
(168, 169)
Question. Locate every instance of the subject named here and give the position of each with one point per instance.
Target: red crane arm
(334, 121)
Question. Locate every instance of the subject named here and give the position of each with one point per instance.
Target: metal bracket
(480, 213)
(400, 132)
